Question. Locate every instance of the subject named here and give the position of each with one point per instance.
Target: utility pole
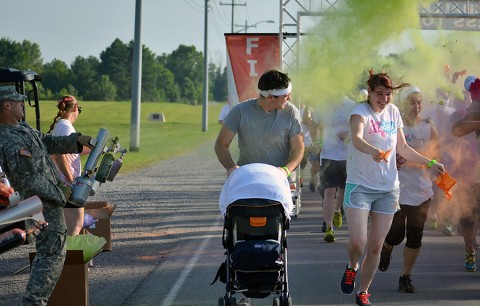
(233, 4)
(205, 73)
(136, 80)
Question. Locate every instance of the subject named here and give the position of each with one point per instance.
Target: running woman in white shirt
(372, 189)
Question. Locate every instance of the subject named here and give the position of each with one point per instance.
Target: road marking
(188, 269)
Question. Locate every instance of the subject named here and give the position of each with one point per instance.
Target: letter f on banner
(248, 57)
(251, 44)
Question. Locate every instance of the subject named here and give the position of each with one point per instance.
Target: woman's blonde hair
(64, 105)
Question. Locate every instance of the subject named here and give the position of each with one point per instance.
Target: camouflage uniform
(24, 156)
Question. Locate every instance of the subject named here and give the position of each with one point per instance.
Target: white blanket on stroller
(260, 181)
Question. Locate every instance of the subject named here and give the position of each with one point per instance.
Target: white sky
(65, 29)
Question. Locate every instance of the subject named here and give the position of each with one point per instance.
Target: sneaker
(405, 284)
(329, 236)
(324, 227)
(362, 299)
(470, 264)
(448, 231)
(311, 186)
(385, 256)
(337, 219)
(243, 302)
(348, 281)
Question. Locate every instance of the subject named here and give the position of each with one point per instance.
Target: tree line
(173, 77)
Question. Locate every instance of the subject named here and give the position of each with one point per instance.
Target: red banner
(249, 56)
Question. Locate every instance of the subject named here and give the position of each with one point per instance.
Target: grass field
(181, 133)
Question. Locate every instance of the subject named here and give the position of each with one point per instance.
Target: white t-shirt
(224, 112)
(335, 127)
(381, 132)
(257, 181)
(415, 182)
(64, 127)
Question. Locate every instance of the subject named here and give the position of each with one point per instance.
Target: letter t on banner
(248, 57)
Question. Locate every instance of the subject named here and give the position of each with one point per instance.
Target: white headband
(277, 92)
(406, 91)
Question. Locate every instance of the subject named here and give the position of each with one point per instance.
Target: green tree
(150, 68)
(84, 72)
(103, 89)
(116, 63)
(186, 64)
(21, 56)
(56, 76)
(168, 89)
(217, 78)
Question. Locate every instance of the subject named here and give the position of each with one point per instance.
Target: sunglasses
(79, 109)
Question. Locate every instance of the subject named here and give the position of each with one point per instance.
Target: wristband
(430, 163)
(286, 170)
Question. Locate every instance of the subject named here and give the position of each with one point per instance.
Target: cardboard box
(101, 211)
(72, 286)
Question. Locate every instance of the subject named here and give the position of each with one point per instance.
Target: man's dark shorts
(333, 174)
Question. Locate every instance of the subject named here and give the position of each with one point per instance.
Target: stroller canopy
(257, 181)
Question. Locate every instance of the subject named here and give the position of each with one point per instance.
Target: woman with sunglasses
(68, 165)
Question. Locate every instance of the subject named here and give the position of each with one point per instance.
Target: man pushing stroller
(268, 127)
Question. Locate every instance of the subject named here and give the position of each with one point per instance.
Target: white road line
(187, 270)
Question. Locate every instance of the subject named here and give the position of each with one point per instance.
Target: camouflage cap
(9, 93)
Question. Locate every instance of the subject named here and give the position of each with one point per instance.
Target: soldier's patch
(25, 152)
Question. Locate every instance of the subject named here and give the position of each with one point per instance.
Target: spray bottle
(117, 164)
(107, 161)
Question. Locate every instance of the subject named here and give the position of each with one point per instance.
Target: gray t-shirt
(263, 137)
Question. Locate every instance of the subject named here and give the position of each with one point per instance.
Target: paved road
(167, 247)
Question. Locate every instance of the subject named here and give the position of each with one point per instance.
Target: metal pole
(136, 80)
(205, 73)
(280, 36)
(246, 26)
(233, 5)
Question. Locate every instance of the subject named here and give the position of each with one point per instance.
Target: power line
(233, 4)
(216, 26)
(222, 16)
(193, 8)
(199, 5)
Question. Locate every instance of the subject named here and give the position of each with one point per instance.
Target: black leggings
(413, 227)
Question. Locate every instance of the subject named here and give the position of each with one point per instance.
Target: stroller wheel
(223, 301)
(276, 301)
(285, 301)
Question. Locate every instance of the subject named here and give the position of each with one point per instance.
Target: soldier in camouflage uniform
(25, 158)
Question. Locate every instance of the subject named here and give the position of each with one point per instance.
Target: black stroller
(254, 237)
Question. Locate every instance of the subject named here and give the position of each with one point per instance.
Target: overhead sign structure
(452, 24)
(248, 57)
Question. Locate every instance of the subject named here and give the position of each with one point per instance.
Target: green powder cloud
(346, 42)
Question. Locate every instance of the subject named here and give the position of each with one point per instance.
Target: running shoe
(433, 225)
(385, 256)
(405, 284)
(470, 264)
(324, 227)
(337, 219)
(362, 299)
(329, 236)
(448, 230)
(348, 281)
